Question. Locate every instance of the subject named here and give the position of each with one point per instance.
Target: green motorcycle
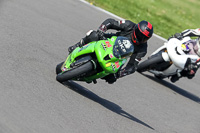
(95, 60)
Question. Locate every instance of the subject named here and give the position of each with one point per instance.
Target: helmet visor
(140, 36)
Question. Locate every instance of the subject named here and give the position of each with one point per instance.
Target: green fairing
(102, 49)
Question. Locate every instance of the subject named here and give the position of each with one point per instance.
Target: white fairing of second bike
(179, 60)
(159, 49)
(174, 54)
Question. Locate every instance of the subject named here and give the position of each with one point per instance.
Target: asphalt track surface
(34, 37)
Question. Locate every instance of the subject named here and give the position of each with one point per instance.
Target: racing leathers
(123, 28)
(192, 49)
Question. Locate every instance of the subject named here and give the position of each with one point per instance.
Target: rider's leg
(90, 36)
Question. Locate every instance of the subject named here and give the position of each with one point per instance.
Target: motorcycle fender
(89, 48)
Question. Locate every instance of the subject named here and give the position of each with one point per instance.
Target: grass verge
(167, 16)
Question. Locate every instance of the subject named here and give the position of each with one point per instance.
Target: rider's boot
(174, 78)
(79, 44)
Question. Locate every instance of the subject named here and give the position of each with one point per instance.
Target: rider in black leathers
(137, 33)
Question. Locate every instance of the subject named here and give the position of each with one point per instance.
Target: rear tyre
(74, 72)
(149, 63)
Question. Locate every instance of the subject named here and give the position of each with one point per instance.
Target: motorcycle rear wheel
(74, 72)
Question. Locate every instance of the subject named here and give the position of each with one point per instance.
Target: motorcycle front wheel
(58, 68)
(75, 72)
(150, 63)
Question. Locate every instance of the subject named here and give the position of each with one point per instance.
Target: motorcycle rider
(192, 48)
(137, 33)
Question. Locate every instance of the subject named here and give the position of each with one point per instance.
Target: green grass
(167, 16)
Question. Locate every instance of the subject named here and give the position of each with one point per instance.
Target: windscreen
(123, 47)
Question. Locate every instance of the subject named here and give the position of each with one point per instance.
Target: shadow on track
(174, 88)
(107, 104)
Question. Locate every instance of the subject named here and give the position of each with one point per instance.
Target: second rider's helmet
(142, 32)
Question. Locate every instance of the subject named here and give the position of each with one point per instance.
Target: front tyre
(58, 68)
(150, 63)
(75, 72)
(159, 77)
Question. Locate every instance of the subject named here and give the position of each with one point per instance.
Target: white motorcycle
(170, 59)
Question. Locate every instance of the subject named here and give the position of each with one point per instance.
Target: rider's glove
(101, 31)
(102, 28)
